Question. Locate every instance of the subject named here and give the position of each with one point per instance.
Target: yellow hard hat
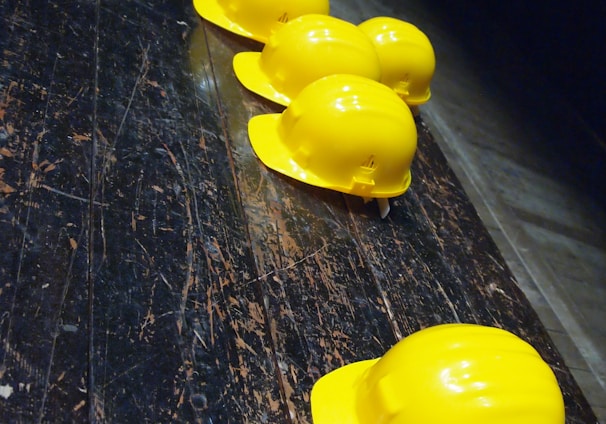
(407, 57)
(302, 51)
(257, 19)
(342, 132)
(450, 373)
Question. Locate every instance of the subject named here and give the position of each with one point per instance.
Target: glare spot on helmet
(297, 169)
(480, 385)
(319, 35)
(451, 382)
(484, 401)
(339, 104)
(386, 37)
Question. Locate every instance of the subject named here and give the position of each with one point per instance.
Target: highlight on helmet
(450, 373)
(406, 55)
(302, 51)
(257, 19)
(342, 132)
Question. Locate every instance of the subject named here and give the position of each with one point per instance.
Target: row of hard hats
(347, 88)
(385, 49)
(389, 50)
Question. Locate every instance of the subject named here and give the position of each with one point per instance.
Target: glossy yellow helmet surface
(450, 373)
(406, 55)
(302, 51)
(257, 19)
(342, 132)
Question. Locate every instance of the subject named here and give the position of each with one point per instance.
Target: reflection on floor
(548, 223)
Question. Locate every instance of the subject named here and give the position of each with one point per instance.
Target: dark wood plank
(169, 247)
(175, 314)
(45, 114)
(322, 312)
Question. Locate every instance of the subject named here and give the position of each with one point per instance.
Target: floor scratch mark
(72, 196)
(95, 407)
(29, 195)
(142, 72)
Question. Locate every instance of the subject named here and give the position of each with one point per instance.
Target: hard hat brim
(247, 67)
(212, 12)
(419, 100)
(270, 149)
(333, 397)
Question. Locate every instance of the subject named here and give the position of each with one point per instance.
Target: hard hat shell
(342, 132)
(406, 55)
(302, 51)
(450, 373)
(257, 19)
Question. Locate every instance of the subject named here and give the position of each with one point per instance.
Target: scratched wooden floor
(152, 270)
